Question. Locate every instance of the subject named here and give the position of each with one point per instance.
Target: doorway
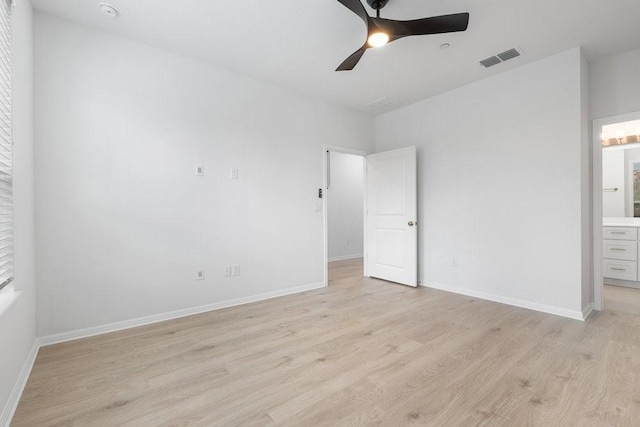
(616, 212)
(344, 193)
(388, 210)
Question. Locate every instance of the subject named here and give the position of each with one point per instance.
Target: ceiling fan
(381, 31)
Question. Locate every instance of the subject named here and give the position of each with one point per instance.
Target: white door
(391, 211)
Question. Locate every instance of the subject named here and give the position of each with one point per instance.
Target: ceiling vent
(490, 61)
(508, 54)
(501, 57)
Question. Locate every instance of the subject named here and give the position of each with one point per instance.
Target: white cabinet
(620, 233)
(620, 253)
(617, 269)
(620, 249)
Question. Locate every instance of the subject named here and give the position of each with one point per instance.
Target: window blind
(6, 148)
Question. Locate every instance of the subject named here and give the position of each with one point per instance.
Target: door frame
(325, 197)
(596, 211)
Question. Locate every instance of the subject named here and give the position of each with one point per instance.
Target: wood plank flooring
(361, 351)
(621, 299)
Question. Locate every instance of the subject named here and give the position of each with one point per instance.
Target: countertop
(621, 222)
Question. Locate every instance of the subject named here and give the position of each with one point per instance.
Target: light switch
(234, 173)
(199, 170)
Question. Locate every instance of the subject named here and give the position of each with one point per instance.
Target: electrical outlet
(200, 275)
(235, 174)
(454, 262)
(235, 269)
(227, 271)
(199, 170)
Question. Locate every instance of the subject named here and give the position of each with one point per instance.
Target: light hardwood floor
(361, 351)
(621, 299)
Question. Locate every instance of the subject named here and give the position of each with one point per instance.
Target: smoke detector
(109, 10)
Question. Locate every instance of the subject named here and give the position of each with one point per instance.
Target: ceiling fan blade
(394, 37)
(418, 27)
(356, 7)
(349, 63)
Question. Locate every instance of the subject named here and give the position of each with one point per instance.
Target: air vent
(490, 61)
(508, 54)
(501, 57)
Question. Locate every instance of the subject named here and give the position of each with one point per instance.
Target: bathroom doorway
(617, 213)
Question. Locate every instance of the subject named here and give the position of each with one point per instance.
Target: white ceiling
(299, 43)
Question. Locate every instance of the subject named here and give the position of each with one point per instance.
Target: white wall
(613, 176)
(345, 215)
(18, 323)
(123, 222)
(615, 85)
(501, 184)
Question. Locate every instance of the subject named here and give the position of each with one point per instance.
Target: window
(6, 148)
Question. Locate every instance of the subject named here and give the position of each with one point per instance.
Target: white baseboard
(618, 282)
(558, 311)
(141, 321)
(587, 311)
(345, 257)
(14, 398)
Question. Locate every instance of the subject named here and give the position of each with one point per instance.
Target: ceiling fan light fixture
(381, 31)
(378, 39)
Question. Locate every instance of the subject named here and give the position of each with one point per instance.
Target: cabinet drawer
(615, 269)
(620, 233)
(620, 249)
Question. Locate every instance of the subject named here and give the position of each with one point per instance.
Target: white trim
(558, 311)
(587, 311)
(596, 209)
(8, 296)
(597, 214)
(141, 321)
(618, 282)
(345, 257)
(14, 398)
(365, 238)
(344, 150)
(325, 222)
(628, 188)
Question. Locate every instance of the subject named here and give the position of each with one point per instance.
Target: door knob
(411, 223)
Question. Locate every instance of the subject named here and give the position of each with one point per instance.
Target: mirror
(635, 190)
